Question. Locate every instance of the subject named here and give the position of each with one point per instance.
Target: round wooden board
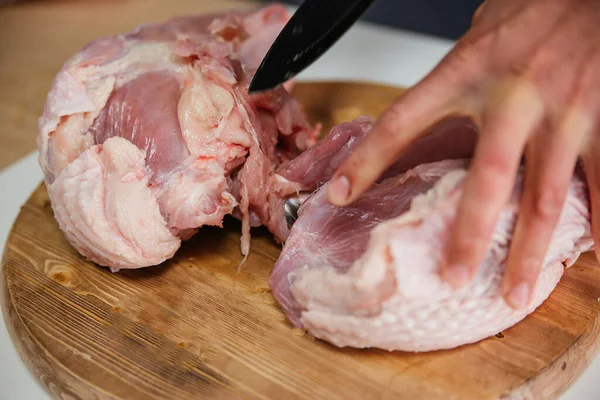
(196, 328)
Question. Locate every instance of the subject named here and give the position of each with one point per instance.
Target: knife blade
(311, 31)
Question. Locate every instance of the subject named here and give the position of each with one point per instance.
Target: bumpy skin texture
(102, 195)
(195, 145)
(368, 275)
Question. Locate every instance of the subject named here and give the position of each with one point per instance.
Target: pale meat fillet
(368, 275)
(177, 91)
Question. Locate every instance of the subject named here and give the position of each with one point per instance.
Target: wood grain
(195, 327)
(37, 37)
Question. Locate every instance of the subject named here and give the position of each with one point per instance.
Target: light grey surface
(16, 184)
(366, 53)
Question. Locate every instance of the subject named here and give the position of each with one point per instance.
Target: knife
(313, 29)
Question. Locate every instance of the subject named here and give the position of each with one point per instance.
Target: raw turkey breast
(148, 136)
(368, 275)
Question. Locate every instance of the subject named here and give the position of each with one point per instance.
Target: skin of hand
(527, 73)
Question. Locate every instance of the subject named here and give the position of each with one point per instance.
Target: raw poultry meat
(146, 137)
(367, 275)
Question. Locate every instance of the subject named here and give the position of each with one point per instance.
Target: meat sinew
(367, 275)
(146, 137)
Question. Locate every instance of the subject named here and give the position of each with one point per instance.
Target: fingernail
(458, 276)
(339, 190)
(518, 297)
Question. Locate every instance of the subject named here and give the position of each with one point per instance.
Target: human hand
(527, 72)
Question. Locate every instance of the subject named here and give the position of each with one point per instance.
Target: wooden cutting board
(196, 328)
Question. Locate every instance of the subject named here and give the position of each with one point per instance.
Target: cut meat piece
(316, 165)
(368, 275)
(178, 92)
(453, 138)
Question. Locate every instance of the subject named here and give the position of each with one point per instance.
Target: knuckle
(461, 56)
(547, 204)
(395, 121)
(392, 124)
(470, 51)
(392, 131)
(540, 59)
(495, 164)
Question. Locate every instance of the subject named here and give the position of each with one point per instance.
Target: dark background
(444, 18)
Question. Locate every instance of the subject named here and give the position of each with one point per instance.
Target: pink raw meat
(367, 275)
(177, 92)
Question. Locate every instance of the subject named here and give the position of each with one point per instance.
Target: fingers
(511, 114)
(420, 108)
(590, 147)
(593, 183)
(592, 172)
(551, 159)
(550, 163)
